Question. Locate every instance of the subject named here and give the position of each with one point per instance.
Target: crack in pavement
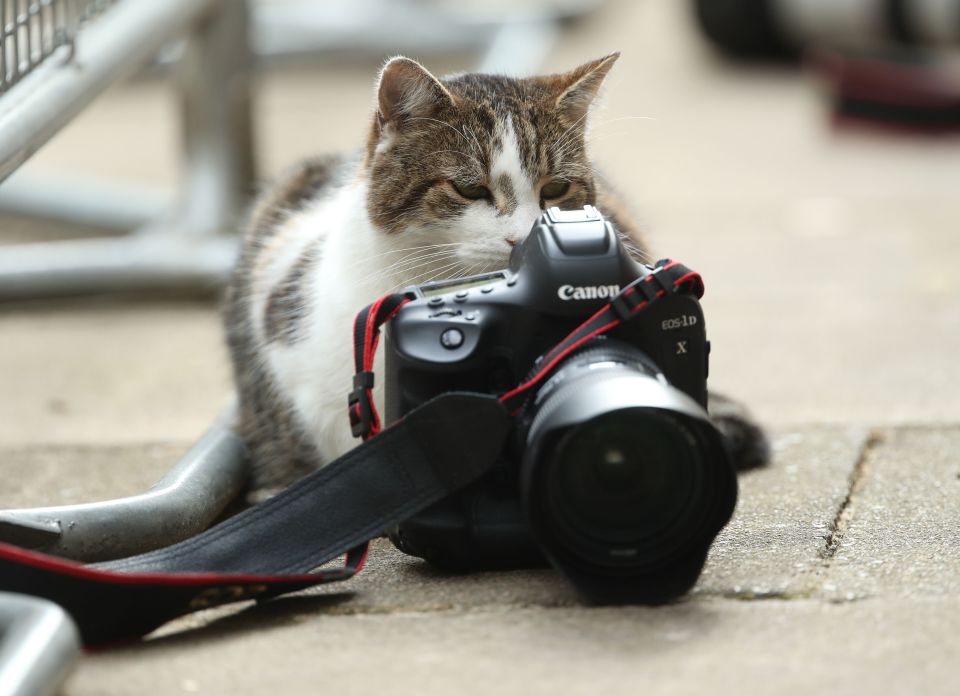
(813, 579)
(847, 508)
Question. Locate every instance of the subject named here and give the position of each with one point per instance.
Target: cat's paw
(746, 440)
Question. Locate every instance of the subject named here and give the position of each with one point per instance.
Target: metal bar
(363, 26)
(38, 645)
(3, 44)
(89, 201)
(214, 80)
(14, 39)
(151, 261)
(27, 32)
(183, 503)
(116, 45)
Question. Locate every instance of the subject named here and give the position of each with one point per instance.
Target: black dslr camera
(613, 472)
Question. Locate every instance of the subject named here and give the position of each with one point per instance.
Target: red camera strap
(668, 277)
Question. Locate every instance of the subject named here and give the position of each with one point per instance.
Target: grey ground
(832, 302)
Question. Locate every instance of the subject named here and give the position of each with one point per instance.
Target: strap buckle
(644, 289)
(359, 406)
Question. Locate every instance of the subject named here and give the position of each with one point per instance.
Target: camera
(613, 472)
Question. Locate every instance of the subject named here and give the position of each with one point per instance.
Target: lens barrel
(624, 480)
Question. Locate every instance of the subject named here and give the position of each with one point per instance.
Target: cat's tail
(747, 441)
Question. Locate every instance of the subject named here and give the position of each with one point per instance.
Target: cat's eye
(472, 191)
(554, 189)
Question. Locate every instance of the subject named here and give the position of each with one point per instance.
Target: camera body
(485, 333)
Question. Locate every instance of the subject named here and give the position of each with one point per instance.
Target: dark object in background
(746, 29)
(784, 28)
(901, 91)
(615, 474)
(876, 57)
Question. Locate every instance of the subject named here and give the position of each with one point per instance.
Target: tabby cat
(453, 174)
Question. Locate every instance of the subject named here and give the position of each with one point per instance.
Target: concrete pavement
(837, 574)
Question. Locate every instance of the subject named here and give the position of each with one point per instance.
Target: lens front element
(624, 486)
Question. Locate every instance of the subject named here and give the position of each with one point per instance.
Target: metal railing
(189, 244)
(57, 56)
(33, 31)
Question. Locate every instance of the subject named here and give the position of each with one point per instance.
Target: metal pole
(216, 115)
(184, 502)
(153, 260)
(38, 644)
(88, 201)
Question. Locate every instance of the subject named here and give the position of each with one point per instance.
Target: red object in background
(902, 92)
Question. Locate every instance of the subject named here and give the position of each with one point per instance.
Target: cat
(453, 174)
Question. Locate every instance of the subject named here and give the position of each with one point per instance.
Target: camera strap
(277, 546)
(273, 548)
(666, 277)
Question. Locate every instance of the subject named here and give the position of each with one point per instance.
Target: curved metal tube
(184, 502)
(38, 645)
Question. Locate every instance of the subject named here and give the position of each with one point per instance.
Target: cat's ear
(577, 88)
(407, 90)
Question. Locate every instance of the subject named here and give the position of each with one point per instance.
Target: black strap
(270, 548)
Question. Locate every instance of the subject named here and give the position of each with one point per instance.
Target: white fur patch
(487, 232)
(359, 263)
(506, 161)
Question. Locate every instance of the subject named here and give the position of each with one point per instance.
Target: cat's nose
(511, 242)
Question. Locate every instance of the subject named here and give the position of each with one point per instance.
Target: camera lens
(623, 485)
(625, 481)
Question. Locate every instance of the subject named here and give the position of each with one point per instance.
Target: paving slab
(900, 532)
(58, 475)
(782, 603)
(109, 371)
(774, 545)
(695, 647)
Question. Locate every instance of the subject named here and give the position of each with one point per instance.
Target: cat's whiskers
(569, 130)
(466, 272)
(562, 146)
(432, 274)
(417, 256)
(416, 264)
(635, 250)
(600, 124)
(450, 126)
(456, 152)
(411, 252)
(383, 281)
(475, 140)
(591, 136)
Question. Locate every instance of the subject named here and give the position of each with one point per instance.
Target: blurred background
(802, 156)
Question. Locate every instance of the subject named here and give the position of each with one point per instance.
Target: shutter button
(451, 338)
